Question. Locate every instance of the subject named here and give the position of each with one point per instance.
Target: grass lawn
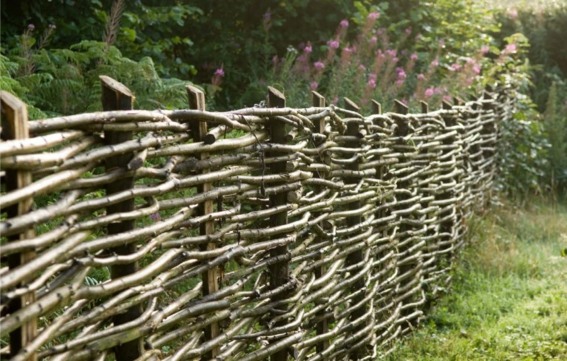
(509, 296)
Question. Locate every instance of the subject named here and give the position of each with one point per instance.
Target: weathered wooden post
(116, 96)
(408, 268)
(279, 272)
(376, 107)
(323, 326)
(356, 257)
(210, 277)
(15, 126)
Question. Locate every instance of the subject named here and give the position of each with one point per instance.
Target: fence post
(406, 267)
(279, 272)
(323, 326)
(116, 96)
(357, 256)
(15, 126)
(211, 276)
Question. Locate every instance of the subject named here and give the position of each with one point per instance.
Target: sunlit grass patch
(509, 297)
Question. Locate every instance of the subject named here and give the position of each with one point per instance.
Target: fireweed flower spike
(333, 44)
(217, 76)
(319, 65)
(374, 15)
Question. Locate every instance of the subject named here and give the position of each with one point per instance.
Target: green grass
(509, 297)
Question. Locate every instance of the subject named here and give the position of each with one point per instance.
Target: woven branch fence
(260, 233)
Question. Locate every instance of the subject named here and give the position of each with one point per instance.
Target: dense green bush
(66, 81)
(545, 26)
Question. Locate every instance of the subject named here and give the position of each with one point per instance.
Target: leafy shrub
(545, 25)
(555, 120)
(66, 81)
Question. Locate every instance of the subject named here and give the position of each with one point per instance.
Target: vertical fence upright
(15, 126)
(355, 259)
(116, 96)
(211, 276)
(322, 326)
(279, 272)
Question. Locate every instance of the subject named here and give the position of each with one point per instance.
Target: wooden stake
(323, 326)
(279, 272)
(355, 257)
(15, 126)
(376, 107)
(211, 277)
(116, 96)
(400, 107)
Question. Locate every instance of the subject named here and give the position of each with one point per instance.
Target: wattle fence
(306, 234)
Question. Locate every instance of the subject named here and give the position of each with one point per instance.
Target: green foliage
(8, 70)
(522, 152)
(155, 29)
(545, 26)
(555, 120)
(66, 81)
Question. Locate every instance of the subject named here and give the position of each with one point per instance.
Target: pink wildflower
(308, 48)
(455, 67)
(333, 44)
(476, 69)
(400, 82)
(420, 77)
(401, 73)
(348, 50)
(484, 49)
(510, 49)
(219, 72)
(313, 85)
(371, 83)
(429, 92)
(513, 13)
(373, 40)
(344, 23)
(319, 65)
(373, 15)
(435, 63)
(413, 57)
(391, 52)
